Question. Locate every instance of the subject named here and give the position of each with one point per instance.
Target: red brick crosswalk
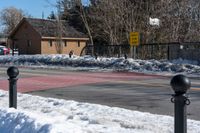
(35, 83)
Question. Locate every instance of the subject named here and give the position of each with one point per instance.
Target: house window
(50, 43)
(78, 43)
(29, 43)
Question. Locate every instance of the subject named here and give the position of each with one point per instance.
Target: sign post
(134, 41)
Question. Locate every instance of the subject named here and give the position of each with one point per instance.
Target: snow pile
(17, 121)
(48, 115)
(89, 63)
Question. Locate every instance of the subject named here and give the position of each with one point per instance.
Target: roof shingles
(49, 28)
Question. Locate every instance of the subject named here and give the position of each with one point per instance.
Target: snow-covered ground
(47, 115)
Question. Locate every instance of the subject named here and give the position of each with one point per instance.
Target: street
(146, 93)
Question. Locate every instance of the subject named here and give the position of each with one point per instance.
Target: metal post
(134, 54)
(71, 53)
(168, 52)
(180, 84)
(125, 56)
(131, 51)
(13, 72)
(95, 56)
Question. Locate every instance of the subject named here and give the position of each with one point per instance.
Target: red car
(4, 50)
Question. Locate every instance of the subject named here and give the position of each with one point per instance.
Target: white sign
(154, 21)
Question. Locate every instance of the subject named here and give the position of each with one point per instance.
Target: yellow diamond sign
(134, 38)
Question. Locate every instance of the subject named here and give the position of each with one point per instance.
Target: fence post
(180, 84)
(13, 72)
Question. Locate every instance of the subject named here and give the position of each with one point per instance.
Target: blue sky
(32, 7)
(35, 8)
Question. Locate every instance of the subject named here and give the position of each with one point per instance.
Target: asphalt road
(147, 93)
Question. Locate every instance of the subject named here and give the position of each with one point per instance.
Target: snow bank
(17, 121)
(102, 64)
(48, 115)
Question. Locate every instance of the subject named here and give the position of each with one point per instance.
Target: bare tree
(73, 10)
(84, 19)
(117, 18)
(103, 16)
(179, 21)
(10, 17)
(59, 30)
(111, 21)
(59, 24)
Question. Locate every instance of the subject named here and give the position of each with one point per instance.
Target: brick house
(40, 36)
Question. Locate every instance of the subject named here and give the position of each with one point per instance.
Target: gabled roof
(49, 28)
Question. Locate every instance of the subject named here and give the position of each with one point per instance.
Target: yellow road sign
(134, 38)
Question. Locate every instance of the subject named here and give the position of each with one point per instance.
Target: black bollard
(95, 56)
(71, 53)
(13, 72)
(180, 84)
(125, 56)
